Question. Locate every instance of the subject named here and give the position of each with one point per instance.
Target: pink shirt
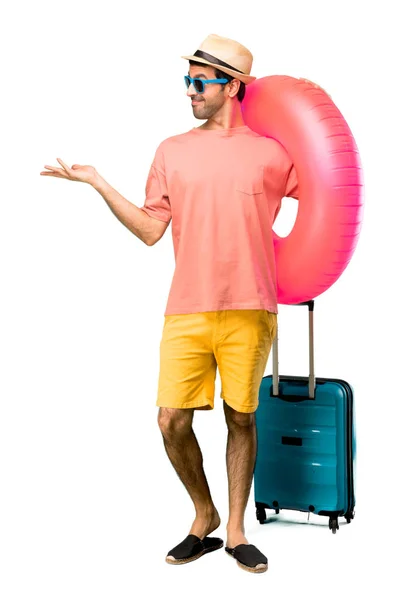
(222, 188)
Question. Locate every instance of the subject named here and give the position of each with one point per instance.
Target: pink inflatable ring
(318, 140)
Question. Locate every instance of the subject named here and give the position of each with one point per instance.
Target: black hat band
(215, 61)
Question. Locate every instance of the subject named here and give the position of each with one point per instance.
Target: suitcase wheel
(333, 524)
(349, 516)
(261, 515)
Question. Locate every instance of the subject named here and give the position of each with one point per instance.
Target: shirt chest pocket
(250, 181)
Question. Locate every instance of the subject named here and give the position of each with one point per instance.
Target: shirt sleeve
(157, 203)
(291, 186)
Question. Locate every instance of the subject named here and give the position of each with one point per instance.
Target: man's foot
(247, 555)
(203, 525)
(192, 548)
(249, 558)
(235, 537)
(197, 542)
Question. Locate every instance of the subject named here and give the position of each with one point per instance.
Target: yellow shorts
(193, 345)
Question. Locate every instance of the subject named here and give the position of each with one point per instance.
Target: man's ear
(233, 87)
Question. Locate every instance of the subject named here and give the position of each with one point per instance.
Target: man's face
(207, 104)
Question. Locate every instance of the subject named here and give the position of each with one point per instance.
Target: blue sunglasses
(199, 83)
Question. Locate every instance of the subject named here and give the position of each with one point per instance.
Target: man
(222, 185)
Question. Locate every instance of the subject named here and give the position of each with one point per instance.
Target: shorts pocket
(250, 183)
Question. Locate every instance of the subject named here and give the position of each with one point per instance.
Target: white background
(89, 503)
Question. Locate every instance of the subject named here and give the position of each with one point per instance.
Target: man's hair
(221, 75)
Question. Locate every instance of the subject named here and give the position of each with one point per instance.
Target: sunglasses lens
(187, 81)
(198, 86)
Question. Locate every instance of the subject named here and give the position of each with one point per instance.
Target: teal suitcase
(305, 443)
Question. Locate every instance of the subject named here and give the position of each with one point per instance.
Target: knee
(174, 422)
(237, 419)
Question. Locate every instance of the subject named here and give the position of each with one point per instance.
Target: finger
(311, 82)
(56, 170)
(65, 167)
(53, 174)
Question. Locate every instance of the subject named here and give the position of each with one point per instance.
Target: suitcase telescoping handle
(311, 378)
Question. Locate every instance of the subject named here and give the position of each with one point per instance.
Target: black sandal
(249, 558)
(192, 548)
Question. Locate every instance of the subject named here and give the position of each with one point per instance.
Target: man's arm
(147, 229)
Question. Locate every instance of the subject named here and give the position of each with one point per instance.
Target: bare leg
(185, 455)
(241, 453)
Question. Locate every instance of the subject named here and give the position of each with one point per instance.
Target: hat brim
(241, 76)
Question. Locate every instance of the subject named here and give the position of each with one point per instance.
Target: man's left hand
(315, 85)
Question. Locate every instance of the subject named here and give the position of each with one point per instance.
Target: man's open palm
(84, 173)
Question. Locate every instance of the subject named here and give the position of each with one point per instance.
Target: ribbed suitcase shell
(306, 447)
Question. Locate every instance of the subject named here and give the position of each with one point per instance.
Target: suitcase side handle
(311, 378)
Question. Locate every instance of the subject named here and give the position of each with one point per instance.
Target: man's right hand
(84, 173)
(146, 228)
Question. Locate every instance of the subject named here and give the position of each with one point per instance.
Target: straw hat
(227, 55)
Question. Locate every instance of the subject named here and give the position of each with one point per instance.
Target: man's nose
(191, 90)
